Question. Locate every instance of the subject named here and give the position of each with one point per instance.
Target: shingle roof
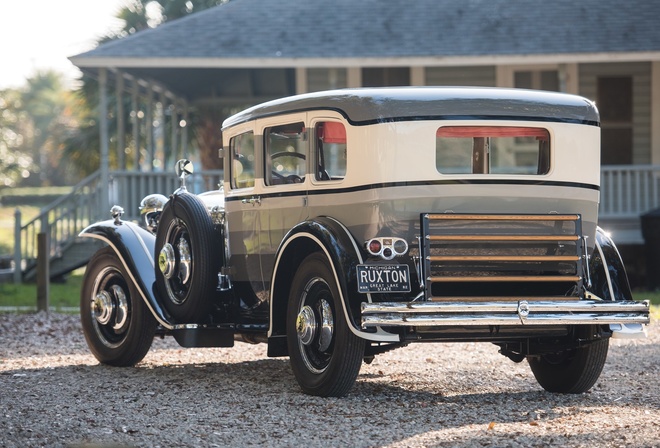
(295, 29)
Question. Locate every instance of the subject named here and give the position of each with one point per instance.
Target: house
(248, 51)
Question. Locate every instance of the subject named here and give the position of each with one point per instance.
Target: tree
(34, 122)
(15, 161)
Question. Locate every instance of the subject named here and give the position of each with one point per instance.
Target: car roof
(365, 106)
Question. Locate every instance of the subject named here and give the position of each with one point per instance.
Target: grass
(25, 295)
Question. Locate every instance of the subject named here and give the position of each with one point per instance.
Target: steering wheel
(291, 178)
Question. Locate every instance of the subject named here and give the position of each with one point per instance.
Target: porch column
(121, 125)
(301, 80)
(136, 124)
(184, 131)
(417, 76)
(174, 124)
(149, 128)
(104, 137)
(354, 77)
(655, 113)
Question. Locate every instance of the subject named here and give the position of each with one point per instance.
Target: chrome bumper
(522, 312)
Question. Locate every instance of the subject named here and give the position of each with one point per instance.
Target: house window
(330, 151)
(492, 150)
(286, 154)
(385, 76)
(537, 79)
(242, 156)
(614, 100)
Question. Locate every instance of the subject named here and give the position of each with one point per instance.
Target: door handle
(254, 200)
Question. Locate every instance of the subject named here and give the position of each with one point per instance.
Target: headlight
(150, 208)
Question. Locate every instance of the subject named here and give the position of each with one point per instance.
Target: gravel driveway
(54, 393)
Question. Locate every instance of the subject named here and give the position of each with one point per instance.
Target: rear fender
(330, 237)
(135, 247)
(609, 280)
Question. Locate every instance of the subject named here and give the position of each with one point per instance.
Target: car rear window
(492, 150)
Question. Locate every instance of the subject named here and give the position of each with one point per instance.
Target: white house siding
(641, 79)
(478, 76)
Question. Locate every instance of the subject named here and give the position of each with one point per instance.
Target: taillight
(387, 248)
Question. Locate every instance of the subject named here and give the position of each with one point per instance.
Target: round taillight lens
(374, 247)
(400, 247)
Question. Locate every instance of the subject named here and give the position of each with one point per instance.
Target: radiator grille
(502, 257)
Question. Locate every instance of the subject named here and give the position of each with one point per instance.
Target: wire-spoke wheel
(117, 324)
(325, 355)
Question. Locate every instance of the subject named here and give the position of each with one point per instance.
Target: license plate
(383, 278)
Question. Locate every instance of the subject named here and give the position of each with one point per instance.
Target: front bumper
(521, 312)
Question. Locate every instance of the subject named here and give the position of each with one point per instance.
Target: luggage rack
(493, 257)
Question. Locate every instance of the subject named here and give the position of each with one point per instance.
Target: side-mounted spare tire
(188, 259)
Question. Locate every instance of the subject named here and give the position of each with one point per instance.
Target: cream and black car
(353, 222)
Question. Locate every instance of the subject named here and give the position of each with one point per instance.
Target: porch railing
(128, 188)
(62, 220)
(628, 191)
(66, 217)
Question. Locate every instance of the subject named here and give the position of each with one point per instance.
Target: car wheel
(571, 371)
(325, 355)
(187, 268)
(117, 324)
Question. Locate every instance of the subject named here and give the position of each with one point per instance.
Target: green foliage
(15, 159)
(34, 121)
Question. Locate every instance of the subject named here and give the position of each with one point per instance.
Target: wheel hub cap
(167, 261)
(306, 325)
(102, 307)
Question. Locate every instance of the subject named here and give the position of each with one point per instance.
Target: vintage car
(353, 222)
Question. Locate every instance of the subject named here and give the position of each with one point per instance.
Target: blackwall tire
(118, 326)
(191, 278)
(325, 355)
(573, 371)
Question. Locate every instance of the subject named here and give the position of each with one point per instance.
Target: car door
(242, 214)
(283, 202)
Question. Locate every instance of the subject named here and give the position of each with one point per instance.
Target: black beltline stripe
(422, 183)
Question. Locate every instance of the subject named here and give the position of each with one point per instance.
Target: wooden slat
(507, 278)
(502, 258)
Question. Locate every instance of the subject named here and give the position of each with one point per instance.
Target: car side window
(242, 160)
(330, 151)
(285, 154)
(492, 150)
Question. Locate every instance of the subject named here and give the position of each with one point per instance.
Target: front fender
(135, 247)
(330, 237)
(609, 280)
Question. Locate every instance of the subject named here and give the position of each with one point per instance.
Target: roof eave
(391, 61)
